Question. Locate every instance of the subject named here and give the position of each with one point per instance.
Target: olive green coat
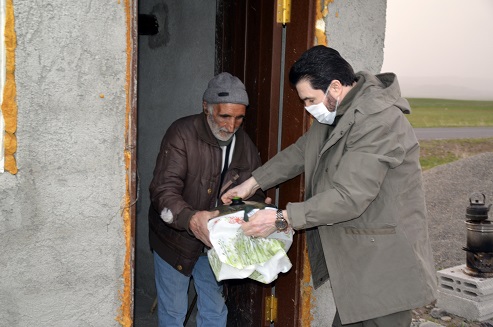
(364, 197)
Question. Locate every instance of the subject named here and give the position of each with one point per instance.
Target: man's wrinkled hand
(198, 225)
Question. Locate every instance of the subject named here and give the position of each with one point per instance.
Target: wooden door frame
(248, 45)
(299, 37)
(130, 154)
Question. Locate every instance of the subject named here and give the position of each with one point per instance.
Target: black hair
(321, 65)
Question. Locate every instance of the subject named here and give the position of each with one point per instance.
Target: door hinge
(271, 308)
(283, 11)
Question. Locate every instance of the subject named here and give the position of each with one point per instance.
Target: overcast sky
(441, 48)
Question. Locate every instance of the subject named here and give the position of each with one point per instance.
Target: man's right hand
(245, 191)
(198, 225)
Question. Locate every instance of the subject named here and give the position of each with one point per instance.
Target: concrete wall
(175, 66)
(357, 30)
(61, 230)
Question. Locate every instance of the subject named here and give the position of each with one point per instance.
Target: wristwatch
(281, 223)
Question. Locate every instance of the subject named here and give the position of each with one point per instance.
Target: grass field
(450, 113)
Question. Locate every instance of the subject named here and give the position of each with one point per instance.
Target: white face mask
(320, 112)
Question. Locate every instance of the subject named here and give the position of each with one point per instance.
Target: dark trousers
(398, 319)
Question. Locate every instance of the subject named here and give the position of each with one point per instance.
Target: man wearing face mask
(364, 210)
(201, 157)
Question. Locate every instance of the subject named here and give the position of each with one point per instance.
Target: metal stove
(479, 249)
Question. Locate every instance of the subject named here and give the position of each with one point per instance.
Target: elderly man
(364, 210)
(201, 157)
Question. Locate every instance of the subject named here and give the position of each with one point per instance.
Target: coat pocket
(382, 261)
(385, 230)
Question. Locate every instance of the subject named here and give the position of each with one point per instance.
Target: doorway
(176, 58)
(195, 40)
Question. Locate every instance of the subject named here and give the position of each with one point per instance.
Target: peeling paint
(9, 105)
(307, 298)
(2, 82)
(320, 36)
(126, 296)
(125, 317)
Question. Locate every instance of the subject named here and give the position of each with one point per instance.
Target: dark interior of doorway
(176, 58)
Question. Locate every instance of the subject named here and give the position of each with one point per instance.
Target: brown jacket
(186, 180)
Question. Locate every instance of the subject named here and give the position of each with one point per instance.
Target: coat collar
(374, 93)
(371, 94)
(205, 134)
(204, 131)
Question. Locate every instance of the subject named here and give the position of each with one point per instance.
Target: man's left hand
(261, 224)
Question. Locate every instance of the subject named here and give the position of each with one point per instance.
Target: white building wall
(61, 229)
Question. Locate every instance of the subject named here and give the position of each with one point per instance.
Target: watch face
(281, 224)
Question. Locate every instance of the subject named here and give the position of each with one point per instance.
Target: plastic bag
(236, 256)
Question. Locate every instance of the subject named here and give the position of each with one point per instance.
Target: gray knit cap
(226, 88)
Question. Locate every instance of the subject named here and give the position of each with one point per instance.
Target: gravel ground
(448, 188)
